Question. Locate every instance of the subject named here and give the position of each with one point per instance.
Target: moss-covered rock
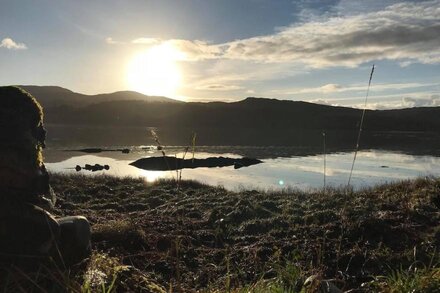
(22, 138)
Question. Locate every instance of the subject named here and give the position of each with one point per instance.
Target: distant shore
(193, 236)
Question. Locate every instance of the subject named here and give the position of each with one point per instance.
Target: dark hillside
(250, 113)
(252, 121)
(411, 119)
(54, 96)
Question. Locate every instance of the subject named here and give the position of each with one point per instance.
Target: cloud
(370, 106)
(400, 32)
(192, 50)
(422, 100)
(324, 102)
(10, 44)
(333, 88)
(432, 101)
(197, 50)
(404, 32)
(219, 87)
(385, 102)
(110, 41)
(329, 88)
(138, 41)
(146, 41)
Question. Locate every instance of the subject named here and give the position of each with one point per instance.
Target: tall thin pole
(360, 126)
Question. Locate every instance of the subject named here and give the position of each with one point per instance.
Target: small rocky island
(167, 163)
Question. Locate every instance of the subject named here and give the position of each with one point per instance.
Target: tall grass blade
(325, 162)
(193, 141)
(360, 126)
(161, 148)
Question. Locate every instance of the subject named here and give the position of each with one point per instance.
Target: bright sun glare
(155, 72)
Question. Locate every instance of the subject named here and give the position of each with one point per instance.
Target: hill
(252, 121)
(257, 113)
(54, 96)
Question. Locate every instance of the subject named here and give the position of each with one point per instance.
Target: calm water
(282, 168)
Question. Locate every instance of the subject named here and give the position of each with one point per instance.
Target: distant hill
(54, 96)
(252, 121)
(260, 113)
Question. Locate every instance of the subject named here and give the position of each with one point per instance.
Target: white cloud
(385, 102)
(324, 102)
(146, 41)
(138, 41)
(329, 88)
(10, 44)
(192, 50)
(418, 100)
(383, 105)
(110, 41)
(432, 101)
(404, 32)
(227, 71)
(197, 50)
(333, 88)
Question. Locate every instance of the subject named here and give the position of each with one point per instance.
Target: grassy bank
(151, 236)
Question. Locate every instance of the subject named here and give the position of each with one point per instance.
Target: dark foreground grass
(153, 237)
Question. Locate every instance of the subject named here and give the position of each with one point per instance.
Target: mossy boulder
(22, 138)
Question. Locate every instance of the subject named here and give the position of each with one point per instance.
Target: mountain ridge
(53, 96)
(127, 108)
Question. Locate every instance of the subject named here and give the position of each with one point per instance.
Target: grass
(205, 238)
(401, 280)
(103, 273)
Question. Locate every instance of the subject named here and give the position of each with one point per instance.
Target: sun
(155, 71)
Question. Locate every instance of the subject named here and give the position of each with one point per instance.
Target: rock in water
(166, 163)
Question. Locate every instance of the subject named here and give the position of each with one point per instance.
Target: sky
(227, 50)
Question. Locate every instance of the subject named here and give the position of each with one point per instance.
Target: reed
(325, 159)
(360, 126)
(161, 147)
(193, 146)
